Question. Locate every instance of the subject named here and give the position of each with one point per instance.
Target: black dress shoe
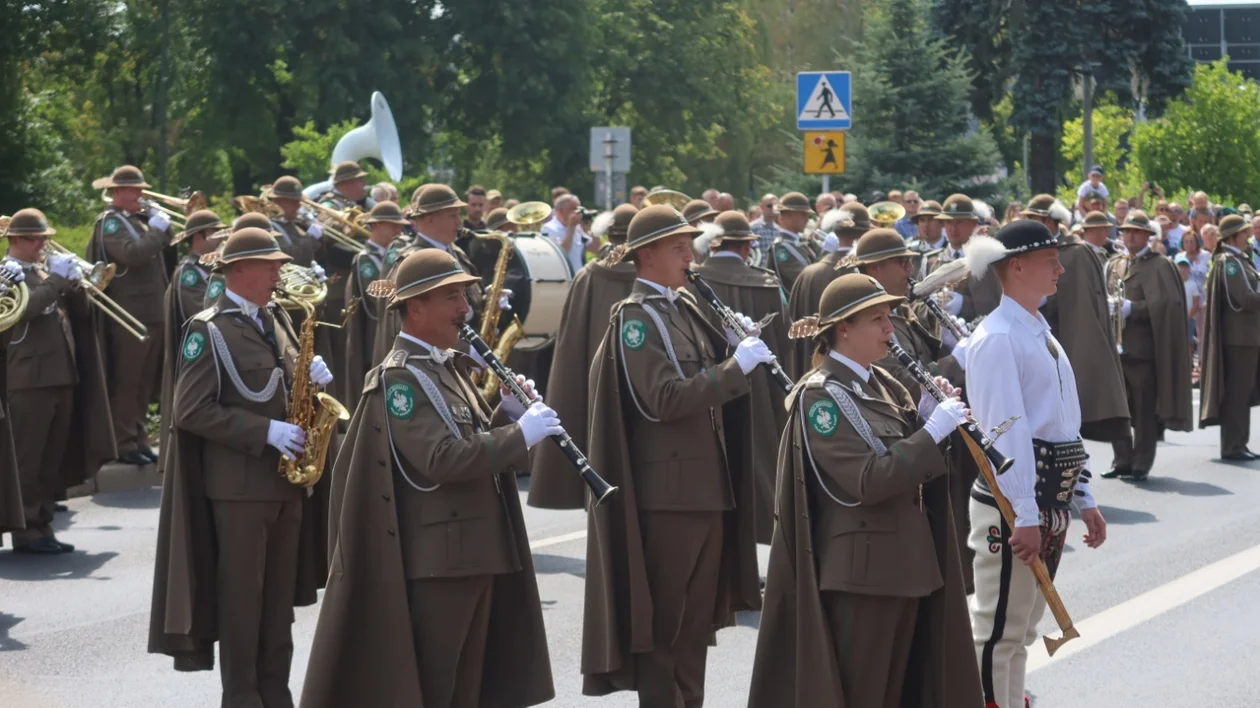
(1139, 475)
(1239, 457)
(134, 457)
(40, 546)
(149, 454)
(1117, 471)
(60, 508)
(65, 547)
(1247, 451)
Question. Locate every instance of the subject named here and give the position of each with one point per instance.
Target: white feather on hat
(948, 274)
(602, 223)
(1059, 212)
(980, 252)
(982, 210)
(834, 219)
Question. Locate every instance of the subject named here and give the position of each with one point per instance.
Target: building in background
(1220, 28)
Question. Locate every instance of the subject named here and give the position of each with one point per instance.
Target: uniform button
(391, 532)
(454, 514)
(377, 427)
(862, 524)
(381, 462)
(385, 497)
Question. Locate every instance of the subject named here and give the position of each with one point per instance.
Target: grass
(74, 238)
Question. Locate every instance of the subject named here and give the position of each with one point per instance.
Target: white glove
(159, 221)
(476, 356)
(63, 264)
(318, 270)
(947, 417)
(288, 438)
(831, 244)
(749, 327)
(948, 338)
(954, 305)
(1126, 306)
(514, 408)
(315, 230)
(320, 375)
(15, 272)
(505, 300)
(750, 353)
(927, 404)
(539, 422)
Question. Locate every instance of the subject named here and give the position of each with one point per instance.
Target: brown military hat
(850, 294)
(614, 224)
(1039, 205)
(251, 244)
(385, 213)
(958, 207)
(432, 198)
(1232, 224)
(253, 220)
(928, 210)
(1097, 219)
(425, 270)
(125, 176)
(696, 210)
(654, 223)
(857, 222)
(794, 201)
(879, 245)
(1136, 221)
(735, 227)
(493, 194)
(346, 171)
(202, 220)
(28, 222)
(496, 218)
(286, 187)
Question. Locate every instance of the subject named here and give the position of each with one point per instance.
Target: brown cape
(1165, 295)
(796, 664)
(12, 515)
(756, 293)
(617, 617)
(90, 414)
(1078, 318)
(363, 652)
(1212, 383)
(360, 330)
(803, 302)
(553, 482)
(184, 617)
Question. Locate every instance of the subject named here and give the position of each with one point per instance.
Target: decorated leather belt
(1059, 469)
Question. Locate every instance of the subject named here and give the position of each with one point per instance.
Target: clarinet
(599, 488)
(971, 428)
(959, 331)
(732, 322)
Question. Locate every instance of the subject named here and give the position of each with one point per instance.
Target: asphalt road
(1166, 608)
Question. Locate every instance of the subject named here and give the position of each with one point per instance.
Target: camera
(588, 214)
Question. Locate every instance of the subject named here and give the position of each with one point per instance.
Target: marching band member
(864, 605)
(412, 617)
(204, 231)
(386, 222)
(697, 212)
(792, 251)
(231, 561)
(299, 237)
(56, 384)
(132, 237)
(672, 556)
(971, 298)
(216, 282)
(1026, 374)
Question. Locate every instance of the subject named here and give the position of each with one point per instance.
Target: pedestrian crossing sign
(824, 100)
(824, 153)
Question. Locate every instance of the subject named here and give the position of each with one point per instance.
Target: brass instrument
(678, 200)
(247, 204)
(491, 313)
(298, 285)
(176, 208)
(528, 216)
(348, 232)
(1117, 271)
(316, 413)
(14, 297)
(885, 214)
(95, 278)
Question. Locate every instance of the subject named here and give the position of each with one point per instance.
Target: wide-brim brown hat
(198, 221)
(432, 198)
(928, 210)
(1137, 221)
(656, 222)
(253, 220)
(879, 245)
(496, 219)
(1232, 224)
(794, 201)
(696, 210)
(125, 176)
(286, 187)
(29, 222)
(425, 270)
(1039, 206)
(1096, 220)
(850, 294)
(346, 171)
(735, 227)
(251, 244)
(385, 213)
(857, 220)
(494, 194)
(958, 207)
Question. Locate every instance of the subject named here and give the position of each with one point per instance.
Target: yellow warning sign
(824, 152)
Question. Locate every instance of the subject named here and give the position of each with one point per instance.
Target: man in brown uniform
(349, 192)
(1231, 342)
(229, 533)
(791, 251)
(385, 221)
(971, 298)
(1080, 317)
(672, 556)
(432, 599)
(298, 236)
(697, 212)
(216, 282)
(56, 386)
(132, 237)
(595, 289)
(1156, 359)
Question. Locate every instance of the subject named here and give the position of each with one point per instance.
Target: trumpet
(176, 208)
(95, 277)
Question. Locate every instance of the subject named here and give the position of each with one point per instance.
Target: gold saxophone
(501, 344)
(1117, 271)
(316, 413)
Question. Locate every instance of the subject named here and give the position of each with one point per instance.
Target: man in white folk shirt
(1028, 375)
(565, 228)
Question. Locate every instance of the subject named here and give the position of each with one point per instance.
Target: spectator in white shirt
(565, 228)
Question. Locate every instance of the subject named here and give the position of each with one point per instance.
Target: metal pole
(163, 80)
(1087, 121)
(826, 187)
(609, 155)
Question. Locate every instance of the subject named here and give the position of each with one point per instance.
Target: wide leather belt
(1059, 468)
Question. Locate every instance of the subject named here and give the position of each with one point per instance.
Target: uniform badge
(215, 290)
(391, 256)
(112, 225)
(1231, 267)
(634, 334)
(781, 254)
(367, 269)
(194, 346)
(400, 400)
(824, 416)
(995, 539)
(190, 277)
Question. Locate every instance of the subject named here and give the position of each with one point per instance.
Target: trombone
(268, 208)
(176, 208)
(349, 236)
(95, 278)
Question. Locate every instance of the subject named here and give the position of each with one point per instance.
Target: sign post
(610, 161)
(824, 109)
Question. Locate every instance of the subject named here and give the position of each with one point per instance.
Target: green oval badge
(824, 416)
(112, 225)
(1231, 267)
(194, 346)
(215, 290)
(781, 254)
(400, 400)
(190, 277)
(367, 269)
(634, 334)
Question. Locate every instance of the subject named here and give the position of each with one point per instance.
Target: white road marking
(1147, 606)
(556, 540)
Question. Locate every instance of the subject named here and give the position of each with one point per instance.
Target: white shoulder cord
(439, 404)
(224, 354)
(859, 423)
(669, 350)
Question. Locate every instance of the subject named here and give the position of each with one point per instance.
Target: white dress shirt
(439, 355)
(723, 254)
(670, 294)
(555, 231)
(1021, 378)
(862, 372)
(248, 308)
(435, 243)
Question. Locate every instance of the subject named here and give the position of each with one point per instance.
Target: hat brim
(696, 217)
(878, 256)
(1103, 225)
(109, 183)
(420, 287)
(347, 178)
(855, 230)
(273, 194)
(49, 231)
(925, 215)
(433, 209)
(1132, 227)
(878, 298)
(736, 237)
(1231, 232)
(400, 220)
(186, 233)
(276, 255)
(680, 230)
(958, 216)
(778, 208)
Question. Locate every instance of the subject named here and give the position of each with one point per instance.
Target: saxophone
(501, 344)
(316, 413)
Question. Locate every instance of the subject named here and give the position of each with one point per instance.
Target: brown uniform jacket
(12, 514)
(820, 545)
(679, 463)
(1233, 319)
(363, 652)
(190, 281)
(1079, 319)
(910, 333)
(293, 240)
(982, 296)
(553, 483)
(790, 258)
(1157, 330)
(388, 322)
(128, 242)
(369, 265)
(803, 302)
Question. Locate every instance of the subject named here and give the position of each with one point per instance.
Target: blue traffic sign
(824, 100)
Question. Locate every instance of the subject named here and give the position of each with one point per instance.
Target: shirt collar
(1033, 323)
(791, 234)
(378, 248)
(438, 355)
(248, 308)
(669, 294)
(436, 244)
(725, 254)
(861, 371)
(1235, 250)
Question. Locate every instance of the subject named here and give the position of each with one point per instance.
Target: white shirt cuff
(1026, 512)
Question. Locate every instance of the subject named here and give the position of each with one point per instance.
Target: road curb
(117, 477)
